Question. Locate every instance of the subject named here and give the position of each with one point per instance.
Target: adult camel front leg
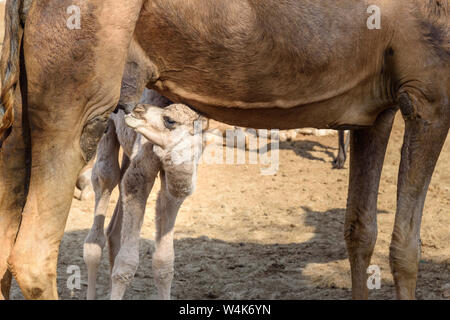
(74, 78)
(367, 156)
(425, 134)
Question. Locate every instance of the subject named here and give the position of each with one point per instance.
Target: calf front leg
(114, 229)
(163, 259)
(136, 186)
(424, 138)
(367, 156)
(105, 177)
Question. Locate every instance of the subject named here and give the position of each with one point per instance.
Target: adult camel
(251, 63)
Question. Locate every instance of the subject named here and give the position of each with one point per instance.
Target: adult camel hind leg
(426, 128)
(367, 156)
(14, 152)
(74, 79)
(14, 174)
(423, 95)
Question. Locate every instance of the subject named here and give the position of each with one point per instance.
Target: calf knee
(125, 267)
(105, 177)
(92, 249)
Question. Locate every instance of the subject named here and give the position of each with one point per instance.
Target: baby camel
(166, 142)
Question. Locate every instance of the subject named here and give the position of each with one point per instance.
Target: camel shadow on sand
(308, 149)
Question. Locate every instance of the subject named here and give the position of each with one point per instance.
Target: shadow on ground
(309, 149)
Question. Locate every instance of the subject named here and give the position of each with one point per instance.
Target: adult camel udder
(261, 64)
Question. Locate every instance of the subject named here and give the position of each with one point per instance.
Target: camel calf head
(172, 130)
(165, 127)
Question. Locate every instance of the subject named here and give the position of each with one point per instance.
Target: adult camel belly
(266, 63)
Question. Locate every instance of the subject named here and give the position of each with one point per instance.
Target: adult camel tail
(10, 62)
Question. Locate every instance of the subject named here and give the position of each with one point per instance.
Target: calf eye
(169, 123)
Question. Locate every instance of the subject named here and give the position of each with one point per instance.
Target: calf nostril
(124, 107)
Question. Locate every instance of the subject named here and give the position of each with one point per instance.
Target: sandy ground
(247, 236)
